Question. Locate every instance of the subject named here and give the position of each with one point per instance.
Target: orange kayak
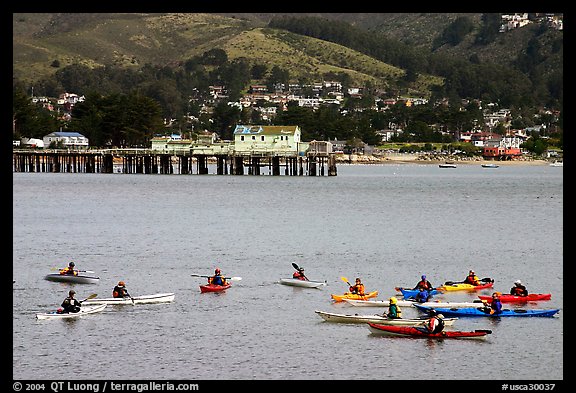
(353, 296)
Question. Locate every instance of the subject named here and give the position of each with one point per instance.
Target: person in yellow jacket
(393, 310)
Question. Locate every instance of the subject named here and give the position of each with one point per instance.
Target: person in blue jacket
(422, 296)
(495, 304)
(217, 278)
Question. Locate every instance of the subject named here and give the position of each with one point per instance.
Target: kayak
(144, 299)
(213, 288)
(480, 312)
(532, 297)
(85, 310)
(348, 295)
(465, 287)
(411, 331)
(79, 279)
(411, 293)
(409, 303)
(302, 283)
(347, 318)
(376, 303)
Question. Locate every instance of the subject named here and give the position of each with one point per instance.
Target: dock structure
(147, 161)
(253, 150)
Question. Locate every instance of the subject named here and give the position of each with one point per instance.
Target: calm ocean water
(387, 224)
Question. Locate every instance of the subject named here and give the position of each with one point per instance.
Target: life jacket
(299, 276)
(68, 271)
(496, 306)
(119, 291)
(424, 284)
(70, 305)
(218, 280)
(519, 291)
(435, 325)
(394, 311)
(472, 279)
(357, 289)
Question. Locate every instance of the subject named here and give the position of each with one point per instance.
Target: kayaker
(422, 296)
(120, 290)
(69, 270)
(435, 324)
(472, 278)
(495, 304)
(70, 304)
(299, 274)
(424, 283)
(358, 288)
(217, 278)
(393, 310)
(518, 289)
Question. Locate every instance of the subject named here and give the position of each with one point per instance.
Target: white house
(66, 139)
(267, 139)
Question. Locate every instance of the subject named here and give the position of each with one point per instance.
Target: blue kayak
(482, 312)
(411, 293)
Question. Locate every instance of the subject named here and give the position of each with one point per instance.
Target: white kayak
(144, 299)
(377, 303)
(85, 310)
(302, 283)
(79, 279)
(407, 303)
(347, 318)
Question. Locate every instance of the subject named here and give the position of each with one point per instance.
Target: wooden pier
(147, 161)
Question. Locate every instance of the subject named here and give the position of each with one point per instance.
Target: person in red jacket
(424, 283)
(299, 274)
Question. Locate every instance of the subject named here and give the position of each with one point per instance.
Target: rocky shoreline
(411, 158)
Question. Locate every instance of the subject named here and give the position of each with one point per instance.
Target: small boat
(557, 163)
(447, 165)
(484, 312)
(214, 288)
(348, 295)
(411, 293)
(411, 331)
(409, 303)
(347, 318)
(295, 282)
(532, 297)
(377, 303)
(85, 310)
(490, 166)
(78, 279)
(465, 287)
(144, 299)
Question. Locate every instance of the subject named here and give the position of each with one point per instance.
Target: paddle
(485, 280)
(487, 331)
(81, 271)
(226, 278)
(298, 268)
(89, 297)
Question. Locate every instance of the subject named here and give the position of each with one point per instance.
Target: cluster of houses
(517, 20)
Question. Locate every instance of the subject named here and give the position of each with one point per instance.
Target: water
(387, 224)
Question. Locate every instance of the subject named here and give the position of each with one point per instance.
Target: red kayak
(531, 297)
(411, 331)
(213, 288)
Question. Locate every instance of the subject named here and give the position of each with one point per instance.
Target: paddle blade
(487, 331)
(345, 280)
(295, 266)
(487, 279)
(234, 278)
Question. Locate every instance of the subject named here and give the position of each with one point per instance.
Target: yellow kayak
(465, 287)
(348, 295)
